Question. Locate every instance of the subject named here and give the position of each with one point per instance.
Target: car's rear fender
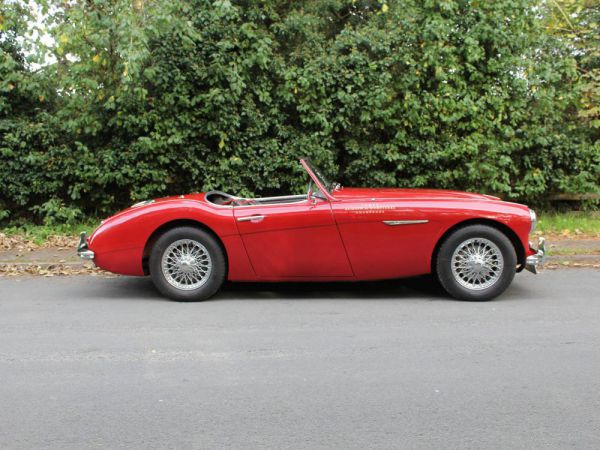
(120, 243)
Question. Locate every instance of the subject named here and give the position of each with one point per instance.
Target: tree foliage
(149, 98)
(577, 24)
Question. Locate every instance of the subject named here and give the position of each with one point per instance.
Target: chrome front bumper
(533, 262)
(82, 249)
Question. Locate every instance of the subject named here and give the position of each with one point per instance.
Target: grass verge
(40, 233)
(570, 224)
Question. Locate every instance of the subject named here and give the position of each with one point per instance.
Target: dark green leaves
(169, 97)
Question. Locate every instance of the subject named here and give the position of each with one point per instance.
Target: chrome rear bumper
(82, 249)
(533, 262)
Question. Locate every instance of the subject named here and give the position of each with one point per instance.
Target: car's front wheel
(476, 263)
(187, 264)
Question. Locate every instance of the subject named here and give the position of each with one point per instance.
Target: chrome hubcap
(477, 264)
(186, 264)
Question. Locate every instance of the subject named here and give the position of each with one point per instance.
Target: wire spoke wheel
(477, 264)
(186, 264)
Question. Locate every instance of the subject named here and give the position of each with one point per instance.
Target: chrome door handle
(393, 223)
(256, 217)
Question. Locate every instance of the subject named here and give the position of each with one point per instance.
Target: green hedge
(160, 99)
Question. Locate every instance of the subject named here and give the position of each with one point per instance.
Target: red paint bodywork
(342, 237)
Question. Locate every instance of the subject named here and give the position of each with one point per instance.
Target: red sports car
(189, 244)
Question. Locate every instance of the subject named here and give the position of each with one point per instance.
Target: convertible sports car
(189, 244)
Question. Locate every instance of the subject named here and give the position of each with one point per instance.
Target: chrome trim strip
(393, 223)
(291, 197)
(300, 198)
(142, 203)
(250, 218)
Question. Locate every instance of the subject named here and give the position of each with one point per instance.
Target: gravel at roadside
(56, 256)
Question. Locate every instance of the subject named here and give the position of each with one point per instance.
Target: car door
(293, 240)
(386, 239)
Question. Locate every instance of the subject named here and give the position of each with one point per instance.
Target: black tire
(216, 257)
(459, 289)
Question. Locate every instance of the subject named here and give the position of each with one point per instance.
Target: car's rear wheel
(187, 264)
(476, 263)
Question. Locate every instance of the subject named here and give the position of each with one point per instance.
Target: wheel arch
(174, 224)
(504, 229)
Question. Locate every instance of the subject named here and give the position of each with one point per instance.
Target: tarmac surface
(95, 362)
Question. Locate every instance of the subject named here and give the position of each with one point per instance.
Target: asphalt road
(89, 362)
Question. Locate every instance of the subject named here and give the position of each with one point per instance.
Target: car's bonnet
(373, 194)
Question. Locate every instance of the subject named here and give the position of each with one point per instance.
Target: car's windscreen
(322, 178)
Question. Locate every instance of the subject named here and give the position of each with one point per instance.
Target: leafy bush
(164, 98)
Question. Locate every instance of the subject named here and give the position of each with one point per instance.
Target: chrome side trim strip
(393, 223)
